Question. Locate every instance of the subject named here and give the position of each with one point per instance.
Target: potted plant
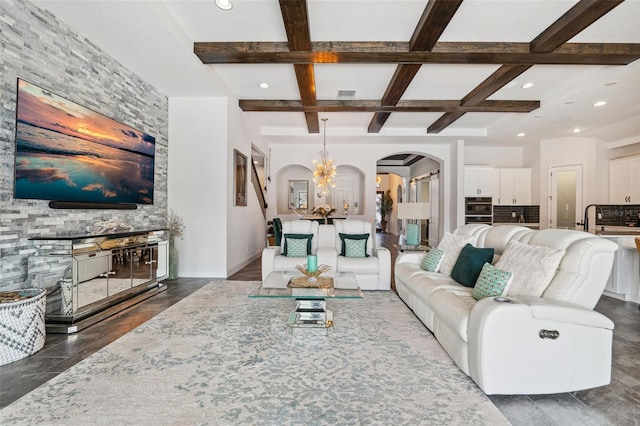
(386, 205)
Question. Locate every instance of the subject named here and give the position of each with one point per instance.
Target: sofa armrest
(268, 256)
(414, 257)
(534, 345)
(384, 268)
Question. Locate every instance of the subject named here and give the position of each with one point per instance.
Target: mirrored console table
(91, 277)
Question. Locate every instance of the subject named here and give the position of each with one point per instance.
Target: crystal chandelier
(324, 174)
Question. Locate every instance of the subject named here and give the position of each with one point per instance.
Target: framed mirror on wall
(298, 191)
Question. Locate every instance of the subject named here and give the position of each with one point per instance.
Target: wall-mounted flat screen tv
(66, 152)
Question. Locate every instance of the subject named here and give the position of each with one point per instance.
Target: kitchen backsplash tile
(618, 215)
(505, 214)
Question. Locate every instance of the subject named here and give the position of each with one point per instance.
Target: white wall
(590, 153)
(493, 156)
(197, 183)
(246, 226)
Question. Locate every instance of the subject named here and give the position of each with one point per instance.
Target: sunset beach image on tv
(66, 152)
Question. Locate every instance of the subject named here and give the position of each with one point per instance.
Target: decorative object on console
(175, 228)
(413, 211)
(324, 173)
(325, 211)
(109, 227)
(77, 157)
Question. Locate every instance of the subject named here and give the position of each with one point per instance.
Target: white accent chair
(373, 272)
(273, 258)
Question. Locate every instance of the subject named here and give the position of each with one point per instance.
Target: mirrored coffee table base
(311, 303)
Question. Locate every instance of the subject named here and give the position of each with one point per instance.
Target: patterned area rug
(220, 358)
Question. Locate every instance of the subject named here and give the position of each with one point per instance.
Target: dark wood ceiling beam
(436, 16)
(296, 23)
(445, 53)
(579, 17)
(376, 106)
(550, 41)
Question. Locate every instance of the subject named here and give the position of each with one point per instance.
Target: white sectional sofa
(372, 272)
(527, 345)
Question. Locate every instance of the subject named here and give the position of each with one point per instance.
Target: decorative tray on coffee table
(311, 279)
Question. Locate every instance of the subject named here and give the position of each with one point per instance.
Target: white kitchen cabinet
(515, 187)
(480, 181)
(624, 181)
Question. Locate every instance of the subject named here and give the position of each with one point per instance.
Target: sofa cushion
(363, 265)
(453, 307)
(469, 264)
(492, 282)
(452, 245)
(532, 266)
(354, 245)
(432, 260)
(297, 245)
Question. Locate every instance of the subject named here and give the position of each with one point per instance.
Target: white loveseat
(372, 272)
(530, 345)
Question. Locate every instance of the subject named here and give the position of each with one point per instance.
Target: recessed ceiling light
(527, 85)
(264, 85)
(255, 161)
(521, 134)
(599, 103)
(611, 83)
(569, 102)
(576, 130)
(224, 4)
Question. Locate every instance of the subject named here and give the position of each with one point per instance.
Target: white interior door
(347, 190)
(434, 201)
(565, 204)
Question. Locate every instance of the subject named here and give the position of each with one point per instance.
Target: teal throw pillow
(299, 243)
(356, 248)
(492, 282)
(470, 263)
(433, 260)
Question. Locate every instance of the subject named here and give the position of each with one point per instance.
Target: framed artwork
(239, 178)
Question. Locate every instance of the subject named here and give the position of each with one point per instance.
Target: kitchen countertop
(618, 231)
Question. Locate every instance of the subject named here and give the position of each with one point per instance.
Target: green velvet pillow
(432, 260)
(297, 245)
(356, 248)
(469, 264)
(492, 282)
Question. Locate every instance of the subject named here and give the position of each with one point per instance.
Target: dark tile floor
(616, 404)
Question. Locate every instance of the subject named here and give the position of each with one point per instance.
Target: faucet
(585, 223)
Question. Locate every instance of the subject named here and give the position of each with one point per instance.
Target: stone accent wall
(37, 47)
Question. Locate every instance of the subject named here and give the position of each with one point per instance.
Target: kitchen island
(624, 282)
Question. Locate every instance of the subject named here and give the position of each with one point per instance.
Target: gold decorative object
(312, 279)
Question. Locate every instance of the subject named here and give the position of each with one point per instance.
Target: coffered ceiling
(388, 70)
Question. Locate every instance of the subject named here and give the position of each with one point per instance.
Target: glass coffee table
(311, 303)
